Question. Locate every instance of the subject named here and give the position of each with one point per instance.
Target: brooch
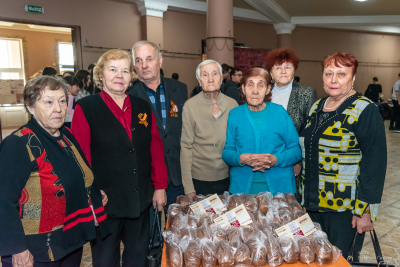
(143, 119)
(174, 110)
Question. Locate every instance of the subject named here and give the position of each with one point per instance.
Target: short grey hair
(206, 62)
(142, 43)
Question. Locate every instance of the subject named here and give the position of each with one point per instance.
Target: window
(65, 57)
(11, 59)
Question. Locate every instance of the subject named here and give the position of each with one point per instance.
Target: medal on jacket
(143, 119)
(174, 110)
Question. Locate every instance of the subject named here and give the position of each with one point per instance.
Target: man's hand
(104, 198)
(23, 259)
(297, 170)
(363, 224)
(191, 195)
(159, 199)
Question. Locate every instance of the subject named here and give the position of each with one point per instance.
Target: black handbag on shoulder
(156, 242)
(378, 254)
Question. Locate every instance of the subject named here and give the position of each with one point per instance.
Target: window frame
(21, 70)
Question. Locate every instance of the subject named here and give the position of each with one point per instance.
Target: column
(284, 32)
(220, 41)
(152, 21)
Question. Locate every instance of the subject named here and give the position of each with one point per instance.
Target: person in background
(373, 92)
(175, 76)
(204, 120)
(197, 89)
(49, 71)
(68, 73)
(166, 97)
(344, 157)
(297, 99)
(118, 134)
(162, 72)
(395, 119)
(91, 67)
(232, 87)
(296, 79)
(85, 79)
(50, 204)
(226, 69)
(73, 89)
(262, 143)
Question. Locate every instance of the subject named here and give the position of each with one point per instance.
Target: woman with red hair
(344, 157)
(262, 143)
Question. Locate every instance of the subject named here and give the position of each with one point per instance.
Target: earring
(130, 84)
(272, 80)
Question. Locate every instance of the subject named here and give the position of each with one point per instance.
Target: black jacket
(232, 90)
(176, 92)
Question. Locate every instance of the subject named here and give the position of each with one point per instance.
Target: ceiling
(36, 28)
(339, 7)
(236, 3)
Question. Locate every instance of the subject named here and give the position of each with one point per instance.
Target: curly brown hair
(280, 55)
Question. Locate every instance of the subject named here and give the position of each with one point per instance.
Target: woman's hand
(159, 199)
(104, 198)
(297, 169)
(263, 162)
(191, 195)
(247, 159)
(363, 224)
(23, 259)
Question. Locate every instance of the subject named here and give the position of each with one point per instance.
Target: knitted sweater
(203, 139)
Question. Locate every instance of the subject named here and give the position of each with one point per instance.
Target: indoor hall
(73, 35)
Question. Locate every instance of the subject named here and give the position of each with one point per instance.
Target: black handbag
(378, 254)
(156, 242)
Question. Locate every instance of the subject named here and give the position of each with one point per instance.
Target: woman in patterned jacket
(50, 204)
(344, 157)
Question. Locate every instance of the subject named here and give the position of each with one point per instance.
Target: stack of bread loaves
(194, 240)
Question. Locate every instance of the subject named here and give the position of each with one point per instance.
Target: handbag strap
(377, 248)
(351, 250)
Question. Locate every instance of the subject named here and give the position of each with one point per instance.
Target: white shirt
(396, 87)
(281, 95)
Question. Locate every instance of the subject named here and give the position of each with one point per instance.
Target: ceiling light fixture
(361, 0)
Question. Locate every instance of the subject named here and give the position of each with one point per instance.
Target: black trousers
(337, 225)
(395, 119)
(134, 234)
(214, 187)
(73, 259)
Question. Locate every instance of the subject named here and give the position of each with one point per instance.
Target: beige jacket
(203, 139)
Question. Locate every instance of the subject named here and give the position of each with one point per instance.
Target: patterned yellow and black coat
(344, 158)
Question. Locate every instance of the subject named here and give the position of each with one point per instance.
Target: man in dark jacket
(167, 97)
(232, 86)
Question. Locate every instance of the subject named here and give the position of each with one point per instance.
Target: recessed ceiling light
(361, 0)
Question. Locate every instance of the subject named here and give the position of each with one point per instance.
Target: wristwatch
(367, 211)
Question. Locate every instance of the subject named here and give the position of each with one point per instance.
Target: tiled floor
(387, 226)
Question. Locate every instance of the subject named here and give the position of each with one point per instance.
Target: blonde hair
(115, 54)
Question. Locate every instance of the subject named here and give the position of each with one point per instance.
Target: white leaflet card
(212, 204)
(301, 226)
(236, 217)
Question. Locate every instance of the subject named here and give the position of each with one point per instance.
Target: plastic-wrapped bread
(241, 253)
(258, 251)
(289, 248)
(174, 209)
(191, 252)
(233, 231)
(206, 219)
(286, 216)
(263, 200)
(183, 200)
(191, 233)
(317, 226)
(170, 232)
(273, 227)
(198, 198)
(273, 217)
(284, 206)
(307, 253)
(298, 214)
(187, 210)
(208, 253)
(224, 254)
(279, 197)
(248, 233)
(179, 220)
(325, 253)
(234, 201)
(274, 254)
(258, 218)
(174, 253)
(295, 206)
(218, 233)
(204, 232)
(265, 229)
(289, 197)
(193, 221)
(250, 203)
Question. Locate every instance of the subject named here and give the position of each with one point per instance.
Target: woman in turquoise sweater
(262, 143)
